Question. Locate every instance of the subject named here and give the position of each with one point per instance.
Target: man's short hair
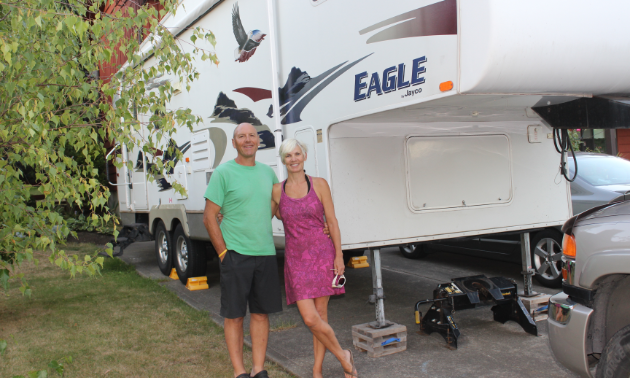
(289, 145)
(239, 125)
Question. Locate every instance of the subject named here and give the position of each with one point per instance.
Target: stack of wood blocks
(370, 340)
(533, 304)
(358, 262)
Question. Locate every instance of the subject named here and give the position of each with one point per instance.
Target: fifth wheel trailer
(420, 114)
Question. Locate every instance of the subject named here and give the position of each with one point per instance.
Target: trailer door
(139, 178)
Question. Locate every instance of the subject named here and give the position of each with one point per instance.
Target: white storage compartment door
(457, 171)
(202, 151)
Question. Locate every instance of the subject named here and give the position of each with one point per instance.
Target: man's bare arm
(212, 226)
(275, 200)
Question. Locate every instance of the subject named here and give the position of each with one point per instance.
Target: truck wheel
(546, 254)
(163, 249)
(615, 360)
(190, 259)
(413, 251)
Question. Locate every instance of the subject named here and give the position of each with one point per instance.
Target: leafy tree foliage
(55, 112)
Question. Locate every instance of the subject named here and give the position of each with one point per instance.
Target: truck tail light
(568, 246)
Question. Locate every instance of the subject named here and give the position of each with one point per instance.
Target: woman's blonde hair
(289, 145)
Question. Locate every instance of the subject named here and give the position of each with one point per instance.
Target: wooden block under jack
(534, 303)
(370, 340)
(173, 274)
(358, 262)
(197, 283)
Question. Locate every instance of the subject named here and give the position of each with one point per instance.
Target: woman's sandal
(353, 372)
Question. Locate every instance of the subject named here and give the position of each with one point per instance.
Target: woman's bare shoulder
(320, 182)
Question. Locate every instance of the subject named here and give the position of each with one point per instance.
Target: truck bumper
(568, 326)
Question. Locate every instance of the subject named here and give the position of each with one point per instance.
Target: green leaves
(58, 366)
(211, 38)
(25, 290)
(60, 108)
(4, 282)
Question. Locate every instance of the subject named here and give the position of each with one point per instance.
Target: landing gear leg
(378, 296)
(527, 272)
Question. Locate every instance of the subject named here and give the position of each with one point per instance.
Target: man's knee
(234, 322)
(259, 317)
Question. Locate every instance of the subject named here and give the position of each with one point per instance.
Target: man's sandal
(244, 375)
(261, 374)
(353, 372)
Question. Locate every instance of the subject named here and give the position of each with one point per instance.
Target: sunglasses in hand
(338, 281)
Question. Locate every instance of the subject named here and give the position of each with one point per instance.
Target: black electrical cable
(562, 143)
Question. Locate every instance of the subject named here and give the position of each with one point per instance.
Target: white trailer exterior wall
(370, 77)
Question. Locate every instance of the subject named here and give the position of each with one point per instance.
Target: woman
(312, 260)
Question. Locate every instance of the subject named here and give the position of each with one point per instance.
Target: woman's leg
(322, 331)
(321, 304)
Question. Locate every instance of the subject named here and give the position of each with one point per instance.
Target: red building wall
(118, 59)
(623, 143)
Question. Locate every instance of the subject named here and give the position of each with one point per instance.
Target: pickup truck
(589, 321)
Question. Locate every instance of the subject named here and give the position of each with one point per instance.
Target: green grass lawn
(117, 325)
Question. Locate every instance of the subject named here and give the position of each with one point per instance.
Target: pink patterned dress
(309, 253)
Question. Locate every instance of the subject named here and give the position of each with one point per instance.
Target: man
(241, 190)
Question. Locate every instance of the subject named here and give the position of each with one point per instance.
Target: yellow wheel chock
(197, 283)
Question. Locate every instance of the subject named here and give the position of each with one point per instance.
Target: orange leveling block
(197, 283)
(173, 274)
(358, 262)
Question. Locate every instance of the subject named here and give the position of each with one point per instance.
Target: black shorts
(249, 279)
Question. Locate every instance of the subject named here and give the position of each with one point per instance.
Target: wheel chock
(197, 283)
(358, 262)
(173, 274)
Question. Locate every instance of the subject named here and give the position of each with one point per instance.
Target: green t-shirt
(244, 194)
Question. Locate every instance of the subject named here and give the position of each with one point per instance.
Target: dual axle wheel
(176, 250)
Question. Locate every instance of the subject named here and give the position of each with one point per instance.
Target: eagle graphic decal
(247, 42)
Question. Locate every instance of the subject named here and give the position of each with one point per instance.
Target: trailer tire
(189, 256)
(413, 251)
(163, 249)
(615, 360)
(546, 255)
